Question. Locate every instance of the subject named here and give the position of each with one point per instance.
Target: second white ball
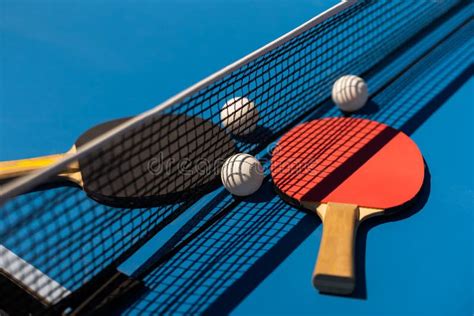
(242, 174)
(350, 93)
(239, 116)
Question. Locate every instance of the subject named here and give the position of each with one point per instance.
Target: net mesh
(68, 238)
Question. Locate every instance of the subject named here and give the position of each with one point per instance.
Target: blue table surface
(68, 66)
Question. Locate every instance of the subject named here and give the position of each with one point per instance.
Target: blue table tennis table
(68, 66)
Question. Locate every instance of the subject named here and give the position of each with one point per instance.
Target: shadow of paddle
(407, 210)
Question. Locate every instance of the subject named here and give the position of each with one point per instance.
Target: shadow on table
(405, 211)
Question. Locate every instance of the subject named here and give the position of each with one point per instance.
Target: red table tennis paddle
(347, 170)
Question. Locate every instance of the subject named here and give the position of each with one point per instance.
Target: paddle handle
(21, 167)
(334, 271)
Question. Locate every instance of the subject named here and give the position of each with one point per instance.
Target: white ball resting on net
(242, 174)
(239, 116)
(350, 93)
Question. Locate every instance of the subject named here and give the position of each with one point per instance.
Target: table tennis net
(57, 241)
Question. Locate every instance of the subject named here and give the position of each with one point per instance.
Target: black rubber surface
(164, 160)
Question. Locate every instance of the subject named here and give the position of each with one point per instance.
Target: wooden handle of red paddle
(334, 271)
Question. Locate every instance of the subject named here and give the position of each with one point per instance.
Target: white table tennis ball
(239, 116)
(350, 93)
(242, 174)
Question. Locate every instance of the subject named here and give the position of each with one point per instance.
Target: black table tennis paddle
(162, 160)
